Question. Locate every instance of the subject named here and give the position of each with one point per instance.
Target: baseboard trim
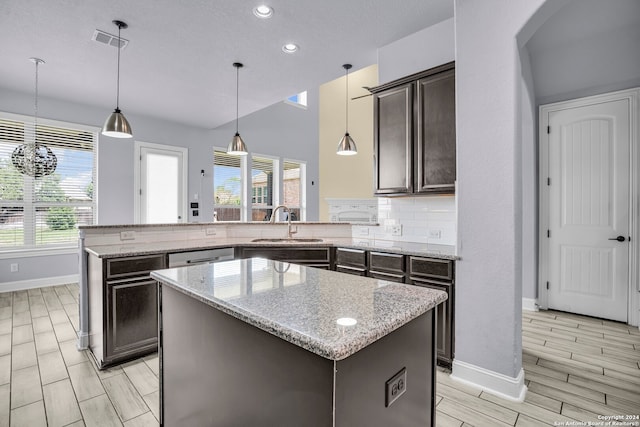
(21, 285)
(492, 382)
(530, 304)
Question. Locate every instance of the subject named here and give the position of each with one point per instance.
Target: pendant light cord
(35, 109)
(237, 94)
(118, 72)
(346, 101)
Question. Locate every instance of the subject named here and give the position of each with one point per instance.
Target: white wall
(489, 134)
(428, 48)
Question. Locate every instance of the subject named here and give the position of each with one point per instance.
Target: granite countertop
(312, 308)
(406, 248)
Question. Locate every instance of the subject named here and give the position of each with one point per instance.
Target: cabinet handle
(619, 238)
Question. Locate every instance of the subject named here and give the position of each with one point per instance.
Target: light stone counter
(142, 248)
(308, 307)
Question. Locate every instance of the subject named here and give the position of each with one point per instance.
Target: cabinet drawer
(384, 262)
(351, 257)
(351, 270)
(399, 278)
(134, 266)
(431, 268)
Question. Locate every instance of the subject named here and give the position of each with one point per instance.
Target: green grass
(14, 237)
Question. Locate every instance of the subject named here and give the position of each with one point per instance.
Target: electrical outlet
(14, 267)
(435, 234)
(210, 231)
(395, 387)
(127, 235)
(396, 230)
(363, 231)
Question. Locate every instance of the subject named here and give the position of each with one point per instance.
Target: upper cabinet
(415, 134)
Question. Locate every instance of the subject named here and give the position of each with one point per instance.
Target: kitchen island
(259, 342)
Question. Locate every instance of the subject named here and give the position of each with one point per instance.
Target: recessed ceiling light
(290, 48)
(263, 11)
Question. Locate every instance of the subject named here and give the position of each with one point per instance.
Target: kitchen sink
(287, 240)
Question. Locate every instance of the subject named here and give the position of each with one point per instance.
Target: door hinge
(548, 181)
(548, 233)
(140, 191)
(547, 285)
(548, 129)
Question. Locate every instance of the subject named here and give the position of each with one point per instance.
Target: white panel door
(589, 210)
(162, 197)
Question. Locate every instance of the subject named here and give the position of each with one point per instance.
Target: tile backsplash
(424, 219)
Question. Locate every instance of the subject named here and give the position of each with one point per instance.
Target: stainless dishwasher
(181, 259)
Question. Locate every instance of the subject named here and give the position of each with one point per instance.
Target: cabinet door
(444, 320)
(132, 318)
(393, 134)
(435, 159)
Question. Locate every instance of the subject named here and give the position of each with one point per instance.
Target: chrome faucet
(290, 228)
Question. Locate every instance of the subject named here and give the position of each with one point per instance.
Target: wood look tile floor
(46, 381)
(576, 368)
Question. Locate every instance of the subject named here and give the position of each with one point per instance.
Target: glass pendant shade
(347, 146)
(117, 126)
(237, 146)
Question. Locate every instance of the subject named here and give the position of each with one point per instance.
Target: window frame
(243, 188)
(32, 249)
(275, 183)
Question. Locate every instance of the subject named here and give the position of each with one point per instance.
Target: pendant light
(237, 146)
(34, 159)
(347, 146)
(116, 124)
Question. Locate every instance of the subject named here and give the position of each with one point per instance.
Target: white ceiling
(178, 64)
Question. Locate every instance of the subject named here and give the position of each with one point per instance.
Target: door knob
(619, 238)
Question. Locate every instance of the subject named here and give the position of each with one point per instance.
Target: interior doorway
(587, 151)
(161, 183)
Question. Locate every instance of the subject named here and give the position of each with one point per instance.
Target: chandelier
(34, 159)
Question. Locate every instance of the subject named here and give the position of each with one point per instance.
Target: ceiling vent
(109, 39)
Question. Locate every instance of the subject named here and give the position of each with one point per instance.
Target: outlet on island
(395, 387)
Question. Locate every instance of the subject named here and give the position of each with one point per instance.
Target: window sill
(38, 252)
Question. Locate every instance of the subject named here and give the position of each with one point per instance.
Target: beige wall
(346, 176)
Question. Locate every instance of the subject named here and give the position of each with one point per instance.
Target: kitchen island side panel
(220, 371)
(361, 379)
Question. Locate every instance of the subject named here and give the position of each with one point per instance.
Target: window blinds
(46, 211)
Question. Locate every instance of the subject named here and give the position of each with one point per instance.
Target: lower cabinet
(438, 274)
(132, 318)
(123, 312)
(351, 261)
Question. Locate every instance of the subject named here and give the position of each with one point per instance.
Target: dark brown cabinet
(319, 257)
(351, 261)
(123, 310)
(438, 274)
(414, 134)
(387, 266)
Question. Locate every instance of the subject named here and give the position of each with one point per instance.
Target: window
(299, 99)
(227, 186)
(293, 185)
(262, 188)
(46, 212)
